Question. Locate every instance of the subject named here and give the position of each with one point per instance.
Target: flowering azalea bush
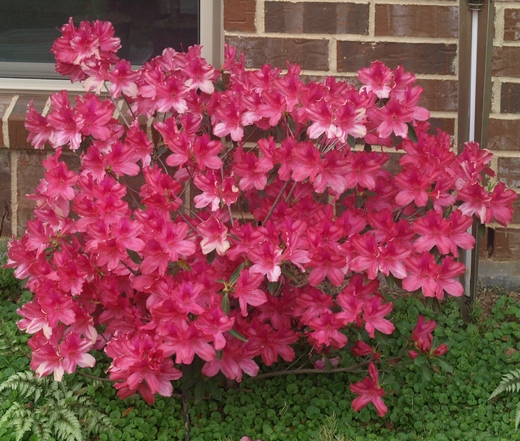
(230, 214)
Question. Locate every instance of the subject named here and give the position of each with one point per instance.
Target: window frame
(211, 35)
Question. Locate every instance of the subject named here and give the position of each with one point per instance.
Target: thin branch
(275, 203)
(93, 377)
(115, 104)
(309, 371)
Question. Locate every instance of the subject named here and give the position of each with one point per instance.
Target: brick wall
(336, 38)
(504, 123)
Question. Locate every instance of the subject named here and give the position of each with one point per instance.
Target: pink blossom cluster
(248, 219)
(422, 338)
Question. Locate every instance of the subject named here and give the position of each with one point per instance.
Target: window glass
(145, 27)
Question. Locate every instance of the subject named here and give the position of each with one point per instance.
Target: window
(145, 27)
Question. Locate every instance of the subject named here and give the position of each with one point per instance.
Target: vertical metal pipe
(475, 46)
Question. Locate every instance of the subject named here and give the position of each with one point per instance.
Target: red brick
(29, 173)
(485, 244)
(506, 61)
(422, 58)
(516, 212)
(309, 54)
(509, 171)
(239, 15)
(510, 98)
(504, 134)
(5, 192)
(316, 18)
(417, 21)
(445, 124)
(439, 95)
(17, 132)
(512, 24)
(506, 244)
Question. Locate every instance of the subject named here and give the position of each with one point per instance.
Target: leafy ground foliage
(426, 402)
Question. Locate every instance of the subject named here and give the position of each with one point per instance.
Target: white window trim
(211, 27)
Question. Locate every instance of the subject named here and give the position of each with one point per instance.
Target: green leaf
(481, 230)
(210, 257)
(420, 360)
(351, 141)
(411, 133)
(134, 256)
(199, 390)
(236, 274)
(273, 174)
(237, 335)
(272, 287)
(444, 365)
(390, 281)
(214, 391)
(426, 373)
(225, 304)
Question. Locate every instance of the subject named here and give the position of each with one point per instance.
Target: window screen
(145, 27)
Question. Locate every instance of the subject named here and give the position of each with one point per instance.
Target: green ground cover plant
(426, 401)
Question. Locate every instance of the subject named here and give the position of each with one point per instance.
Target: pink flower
(374, 312)
(38, 127)
(361, 349)
(214, 236)
(321, 364)
(369, 391)
(140, 366)
(185, 341)
(326, 331)
(440, 350)
(65, 125)
(235, 359)
(422, 334)
(423, 338)
(394, 118)
(377, 78)
(267, 259)
(123, 80)
(60, 353)
(247, 290)
(432, 278)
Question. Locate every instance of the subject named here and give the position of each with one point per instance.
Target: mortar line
(5, 120)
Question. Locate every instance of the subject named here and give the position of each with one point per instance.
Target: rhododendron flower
(369, 391)
(326, 331)
(361, 349)
(208, 216)
(267, 260)
(394, 118)
(123, 80)
(422, 333)
(374, 312)
(423, 338)
(433, 278)
(233, 361)
(247, 290)
(140, 366)
(60, 353)
(38, 127)
(321, 364)
(214, 236)
(377, 79)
